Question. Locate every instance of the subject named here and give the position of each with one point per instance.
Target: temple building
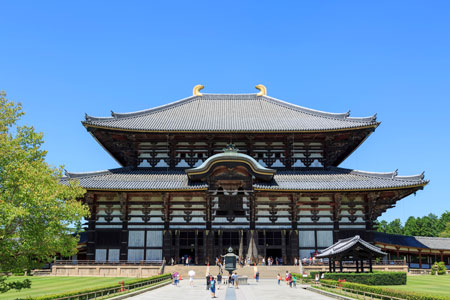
(249, 171)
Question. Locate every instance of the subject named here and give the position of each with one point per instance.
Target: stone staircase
(265, 272)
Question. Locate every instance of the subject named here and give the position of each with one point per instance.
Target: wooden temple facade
(243, 170)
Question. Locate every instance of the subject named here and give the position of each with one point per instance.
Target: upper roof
(230, 113)
(345, 245)
(330, 179)
(412, 241)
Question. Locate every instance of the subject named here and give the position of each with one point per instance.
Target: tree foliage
(35, 208)
(430, 225)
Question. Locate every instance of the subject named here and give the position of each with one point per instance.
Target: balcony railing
(109, 263)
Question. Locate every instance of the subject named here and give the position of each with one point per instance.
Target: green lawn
(427, 284)
(46, 285)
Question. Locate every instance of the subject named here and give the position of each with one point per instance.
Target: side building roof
(230, 113)
(437, 243)
(330, 179)
(343, 247)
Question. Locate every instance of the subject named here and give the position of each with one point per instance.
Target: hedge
(111, 286)
(387, 293)
(375, 278)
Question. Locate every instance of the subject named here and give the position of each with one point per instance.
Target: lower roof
(302, 179)
(412, 241)
(343, 247)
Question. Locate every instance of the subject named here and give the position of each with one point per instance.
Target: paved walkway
(265, 289)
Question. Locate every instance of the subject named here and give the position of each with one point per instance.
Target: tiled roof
(339, 179)
(134, 179)
(342, 246)
(412, 241)
(230, 112)
(304, 179)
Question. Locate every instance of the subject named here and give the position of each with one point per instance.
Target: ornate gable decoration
(230, 158)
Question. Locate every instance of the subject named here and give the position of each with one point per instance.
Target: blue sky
(64, 58)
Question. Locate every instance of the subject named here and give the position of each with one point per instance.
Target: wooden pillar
(283, 246)
(420, 259)
(123, 197)
(294, 212)
(177, 246)
(370, 264)
(210, 253)
(205, 245)
(167, 246)
(196, 247)
(252, 203)
(209, 199)
(334, 266)
(336, 216)
(90, 199)
(362, 265)
(220, 233)
(294, 244)
(442, 255)
(329, 264)
(341, 268)
(357, 266)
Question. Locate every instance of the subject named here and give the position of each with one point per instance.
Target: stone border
(326, 293)
(124, 296)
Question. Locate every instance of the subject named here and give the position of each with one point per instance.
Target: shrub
(438, 268)
(375, 278)
(111, 286)
(386, 292)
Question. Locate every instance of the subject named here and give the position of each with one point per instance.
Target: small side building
(419, 252)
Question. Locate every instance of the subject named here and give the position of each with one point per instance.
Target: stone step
(265, 272)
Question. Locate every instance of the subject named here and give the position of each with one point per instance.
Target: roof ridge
(339, 116)
(432, 237)
(391, 175)
(115, 116)
(310, 111)
(70, 175)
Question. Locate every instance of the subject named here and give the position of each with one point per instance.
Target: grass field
(427, 284)
(53, 285)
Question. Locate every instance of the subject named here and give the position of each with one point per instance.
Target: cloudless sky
(64, 58)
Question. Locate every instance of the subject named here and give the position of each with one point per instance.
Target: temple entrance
(274, 253)
(184, 253)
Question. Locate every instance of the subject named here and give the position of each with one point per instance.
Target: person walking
(279, 278)
(236, 280)
(286, 278)
(212, 284)
(208, 280)
(191, 274)
(219, 280)
(257, 276)
(294, 280)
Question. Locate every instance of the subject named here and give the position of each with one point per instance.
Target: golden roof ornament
(262, 89)
(230, 148)
(197, 88)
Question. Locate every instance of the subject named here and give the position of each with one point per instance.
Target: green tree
(35, 208)
(381, 225)
(395, 227)
(411, 226)
(446, 232)
(444, 220)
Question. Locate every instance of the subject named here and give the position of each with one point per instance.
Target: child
(212, 283)
(279, 278)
